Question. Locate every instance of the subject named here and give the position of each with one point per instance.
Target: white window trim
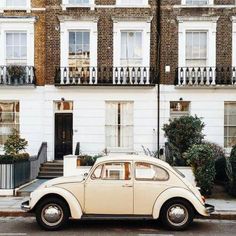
(120, 4)
(208, 24)
(26, 8)
(125, 25)
(66, 27)
(233, 40)
(17, 25)
(65, 4)
(210, 3)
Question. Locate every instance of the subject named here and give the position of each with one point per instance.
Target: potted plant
(16, 74)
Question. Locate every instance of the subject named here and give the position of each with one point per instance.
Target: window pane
(230, 124)
(131, 48)
(196, 2)
(79, 49)
(119, 124)
(196, 48)
(78, 1)
(16, 3)
(9, 119)
(146, 171)
(16, 48)
(116, 171)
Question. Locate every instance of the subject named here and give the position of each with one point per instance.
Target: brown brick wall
(40, 38)
(169, 42)
(105, 32)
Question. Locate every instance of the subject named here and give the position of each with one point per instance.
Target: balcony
(105, 76)
(205, 77)
(15, 75)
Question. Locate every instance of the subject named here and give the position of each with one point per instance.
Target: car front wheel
(177, 214)
(52, 214)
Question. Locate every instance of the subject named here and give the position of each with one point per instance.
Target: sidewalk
(225, 209)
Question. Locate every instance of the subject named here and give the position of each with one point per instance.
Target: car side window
(149, 172)
(113, 171)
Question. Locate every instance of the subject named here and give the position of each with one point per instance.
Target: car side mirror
(85, 175)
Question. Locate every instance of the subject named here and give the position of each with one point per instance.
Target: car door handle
(127, 185)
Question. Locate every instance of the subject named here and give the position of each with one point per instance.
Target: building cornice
(78, 18)
(18, 19)
(147, 19)
(197, 18)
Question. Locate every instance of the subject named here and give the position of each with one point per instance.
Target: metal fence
(15, 174)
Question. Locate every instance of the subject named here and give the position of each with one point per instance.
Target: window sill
(132, 6)
(120, 150)
(65, 6)
(26, 9)
(203, 6)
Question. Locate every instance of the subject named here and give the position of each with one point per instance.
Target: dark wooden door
(63, 134)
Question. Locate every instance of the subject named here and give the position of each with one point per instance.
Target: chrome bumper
(25, 206)
(209, 208)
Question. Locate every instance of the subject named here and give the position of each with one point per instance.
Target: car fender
(177, 193)
(74, 205)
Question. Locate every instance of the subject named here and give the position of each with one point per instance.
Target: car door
(109, 189)
(149, 182)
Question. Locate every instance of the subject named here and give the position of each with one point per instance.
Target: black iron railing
(69, 76)
(205, 76)
(15, 75)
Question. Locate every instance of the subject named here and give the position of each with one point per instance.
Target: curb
(214, 216)
(15, 214)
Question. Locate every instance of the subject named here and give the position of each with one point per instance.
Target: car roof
(132, 157)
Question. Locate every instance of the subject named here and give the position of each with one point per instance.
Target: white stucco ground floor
(121, 119)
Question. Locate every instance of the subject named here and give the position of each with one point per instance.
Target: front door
(63, 134)
(109, 190)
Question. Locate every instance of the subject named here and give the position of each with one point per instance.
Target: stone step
(51, 168)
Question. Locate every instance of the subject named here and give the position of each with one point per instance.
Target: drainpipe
(158, 66)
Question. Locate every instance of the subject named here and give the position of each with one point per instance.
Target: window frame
(112, 162)
(184, 2)
(83, 25)
(233, 18)
(152, 180)
(120, 149)
(143, 25)
(18, 25)
(228, 125)
(15, 114)
(207, 45)
(65, 4)
(208, 24)
(4, 7)
(119, 3)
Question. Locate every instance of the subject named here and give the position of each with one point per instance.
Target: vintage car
(121, 186)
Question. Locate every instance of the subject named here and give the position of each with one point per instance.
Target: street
(28, 226)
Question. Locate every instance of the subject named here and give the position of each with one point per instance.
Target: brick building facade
(95, 66)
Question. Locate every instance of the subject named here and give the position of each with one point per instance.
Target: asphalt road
(28, 226)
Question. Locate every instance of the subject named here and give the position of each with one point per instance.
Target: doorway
(63, 135)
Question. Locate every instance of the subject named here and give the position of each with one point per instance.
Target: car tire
(177, 214)
(52, 214)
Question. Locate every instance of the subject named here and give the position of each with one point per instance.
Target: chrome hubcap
(177, 215)
(52, 214)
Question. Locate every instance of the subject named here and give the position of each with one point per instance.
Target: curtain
(111, 124)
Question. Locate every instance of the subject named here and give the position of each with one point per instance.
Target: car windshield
(179, 172)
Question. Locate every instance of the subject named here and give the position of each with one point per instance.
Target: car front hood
(61, 180)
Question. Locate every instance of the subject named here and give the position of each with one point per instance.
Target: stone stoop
(50, 170)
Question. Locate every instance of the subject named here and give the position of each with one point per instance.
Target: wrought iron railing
(15, 75)
(205, 76)
(74, 76)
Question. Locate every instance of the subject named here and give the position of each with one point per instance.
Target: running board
(115, 217)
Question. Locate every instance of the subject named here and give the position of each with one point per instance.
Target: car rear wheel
(177, 214)
(52, 214)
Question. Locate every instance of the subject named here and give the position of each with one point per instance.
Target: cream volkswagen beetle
(124, 186)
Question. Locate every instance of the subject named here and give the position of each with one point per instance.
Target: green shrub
(182, 133)
(8, 159)
(220, 162)
(14, 144)
(87, 160)
(231, 171)
(201, 159)
(173, 156)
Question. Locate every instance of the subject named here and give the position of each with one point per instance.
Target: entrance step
(50, 170)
